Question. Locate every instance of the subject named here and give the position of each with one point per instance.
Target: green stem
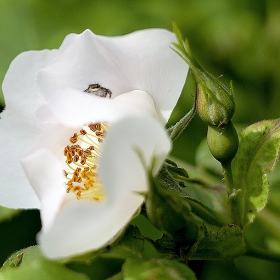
(175, 130)
(178, 128)
(261, 253)
(228, 177)
(232, 201)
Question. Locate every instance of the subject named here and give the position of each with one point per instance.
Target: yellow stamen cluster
(82, 159)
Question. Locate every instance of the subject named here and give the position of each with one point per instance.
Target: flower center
(82, 157)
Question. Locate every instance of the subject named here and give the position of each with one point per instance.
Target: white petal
(19, 88)
(82, 60)
(55, 137)
(44, 165)
(142, 60)
(45, 173)
(15, 190)
(121, 169)
(19, 128)
(152, 66)
(83, 226)
(82, 108)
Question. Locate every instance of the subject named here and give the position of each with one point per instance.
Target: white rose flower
(74, 122)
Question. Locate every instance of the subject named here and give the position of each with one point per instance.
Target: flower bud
(170, 213)
(215, 102)
(222, 142)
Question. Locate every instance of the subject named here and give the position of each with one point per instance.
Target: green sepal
(205, 213)
(169, 212)
(214, 101)
(257, 155)
(156, 269)
(177, 172)
(175, 130)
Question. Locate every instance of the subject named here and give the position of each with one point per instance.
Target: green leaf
(7, 213)
(256, 158)
(227, 243)
(156, 269)
(29, 264)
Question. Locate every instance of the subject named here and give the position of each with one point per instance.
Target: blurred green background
(239, 39)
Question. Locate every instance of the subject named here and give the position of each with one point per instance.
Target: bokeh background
(239, 39)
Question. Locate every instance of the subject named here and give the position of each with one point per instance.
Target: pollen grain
(82, 156)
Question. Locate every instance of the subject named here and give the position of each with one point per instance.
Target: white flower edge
(142, 60)
(19, 128)
(72, 227)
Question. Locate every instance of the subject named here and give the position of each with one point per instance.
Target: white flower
(85, 109)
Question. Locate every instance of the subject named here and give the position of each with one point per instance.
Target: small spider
(98, 90)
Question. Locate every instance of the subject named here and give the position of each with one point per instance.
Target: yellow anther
(82, 159)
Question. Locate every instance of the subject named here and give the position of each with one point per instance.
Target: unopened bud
(215, 102)
(222, 142)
